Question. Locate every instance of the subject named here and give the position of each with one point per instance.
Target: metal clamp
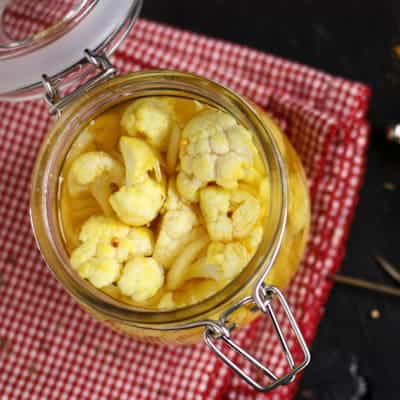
(52, 95)
(212, 335)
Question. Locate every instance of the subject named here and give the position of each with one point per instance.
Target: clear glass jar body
(287, 222)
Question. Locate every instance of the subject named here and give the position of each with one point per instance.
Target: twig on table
(361, 283)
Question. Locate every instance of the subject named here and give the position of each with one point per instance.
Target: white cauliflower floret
(231, 258)
(151, 117)
(254, 239)
(106, 243)
(229, 214)
(138, 204)
(181, 267)
(188, 187)
(141, 278)
(176, 226)
(143, 240)
(97, 173)
(214, 148)
(140, 159)
(139, 201)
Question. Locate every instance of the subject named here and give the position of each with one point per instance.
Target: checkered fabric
(52, 349)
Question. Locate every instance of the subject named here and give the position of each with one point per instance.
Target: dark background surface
(354, 355)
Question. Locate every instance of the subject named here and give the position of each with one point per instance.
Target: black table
(353, 352)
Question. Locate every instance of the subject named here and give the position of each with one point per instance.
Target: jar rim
(116, 90)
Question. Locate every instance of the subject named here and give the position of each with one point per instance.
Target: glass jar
(276, 260)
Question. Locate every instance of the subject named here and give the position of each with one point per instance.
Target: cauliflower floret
(231, 258)
(97, 173)
(214, 148)
(139, 201)
(138, 204)
(228, 214)
(143, 240)
(140, 159)
(188, 187)
(141, 278)
(151, 117)
(179, 270)
(100, 271)
(105, 244)
(254, 239)
(176, 226)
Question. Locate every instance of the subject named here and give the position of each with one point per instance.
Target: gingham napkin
(52, 349)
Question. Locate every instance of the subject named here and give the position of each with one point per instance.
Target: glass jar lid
(50, 38)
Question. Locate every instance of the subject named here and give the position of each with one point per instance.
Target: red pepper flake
(114, 187)
(115, 242)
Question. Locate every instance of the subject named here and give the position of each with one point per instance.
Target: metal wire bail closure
(57, 103)
(269, 294)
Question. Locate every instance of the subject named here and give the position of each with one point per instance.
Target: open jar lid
(50, 37)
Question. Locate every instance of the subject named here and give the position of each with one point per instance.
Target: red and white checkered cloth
(51, 349)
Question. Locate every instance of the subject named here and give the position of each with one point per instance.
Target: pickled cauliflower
(139, 201)
(229, 258)
(176, 225)
(221, 263)
(139, 204)
(97, 173)
(151, 117)
(165, 200)
(140, 160)
(105, 245)
(229, 214)
(214, 148)
(181, 269)
(141, 278)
